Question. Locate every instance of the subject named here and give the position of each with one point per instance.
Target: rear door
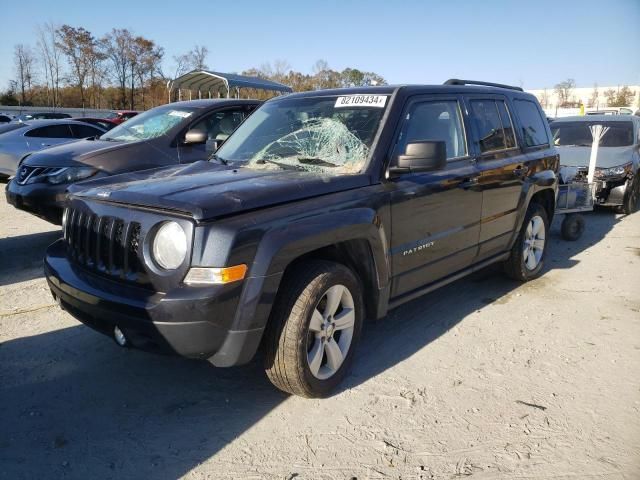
(434, 215)
(46, 136)
(503, 167)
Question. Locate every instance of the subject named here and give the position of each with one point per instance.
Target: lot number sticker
(378, 101)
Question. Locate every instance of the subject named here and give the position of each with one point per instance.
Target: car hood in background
(110, 157)
(607, 156)
(206, 190)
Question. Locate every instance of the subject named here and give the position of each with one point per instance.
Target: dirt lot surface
(484, 379)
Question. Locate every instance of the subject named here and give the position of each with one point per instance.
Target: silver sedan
(20, 139)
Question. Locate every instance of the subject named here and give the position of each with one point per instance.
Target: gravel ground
(486, 379)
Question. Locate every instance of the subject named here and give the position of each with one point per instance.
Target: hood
(607, 156)
(206, 190)
(110, 157)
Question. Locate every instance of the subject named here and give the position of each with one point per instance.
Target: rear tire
(526, 260)
(572, 226)
(314, 329)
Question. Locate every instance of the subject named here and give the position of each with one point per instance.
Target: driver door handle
(520, 171)
(469, 182)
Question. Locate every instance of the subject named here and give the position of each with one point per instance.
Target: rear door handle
(469, 182)
(521, 171)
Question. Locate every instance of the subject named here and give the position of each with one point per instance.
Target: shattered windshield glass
(329, 135)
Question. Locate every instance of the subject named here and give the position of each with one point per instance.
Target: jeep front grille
(105, 244)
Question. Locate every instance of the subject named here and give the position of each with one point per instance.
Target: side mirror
(195, 137)
(423, 156)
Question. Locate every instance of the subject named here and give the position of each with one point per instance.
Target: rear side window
(51, 131)
(493, 122)
(435, 121)
(84, 131)
(534, 131)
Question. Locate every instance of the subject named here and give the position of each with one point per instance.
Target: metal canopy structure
(215, 84)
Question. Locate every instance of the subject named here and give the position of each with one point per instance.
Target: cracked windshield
(150, 124)
(328, 135)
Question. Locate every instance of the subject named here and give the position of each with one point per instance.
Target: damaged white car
(614, 144)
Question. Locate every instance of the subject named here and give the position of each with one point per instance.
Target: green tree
(81, 51)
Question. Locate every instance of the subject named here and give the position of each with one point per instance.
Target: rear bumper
(190, 322)
(40, 199)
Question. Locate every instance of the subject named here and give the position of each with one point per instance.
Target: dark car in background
(41, 116)
(22, 138)
(105, 123)
(171, 134)
(5, 118)
(617, 174)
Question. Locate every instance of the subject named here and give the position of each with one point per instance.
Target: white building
(590, 97)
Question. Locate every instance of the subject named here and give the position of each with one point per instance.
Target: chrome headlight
(70, 175)
(614, 172)
(170, 246)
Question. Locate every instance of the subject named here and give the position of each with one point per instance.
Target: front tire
(526, 260)
(631, 196)
(314, 329)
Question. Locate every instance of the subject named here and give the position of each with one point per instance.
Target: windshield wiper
(218, 159)
(284, 166)
(316, 161)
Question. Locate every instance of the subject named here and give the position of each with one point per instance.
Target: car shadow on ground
(72, 404)
(21, 256)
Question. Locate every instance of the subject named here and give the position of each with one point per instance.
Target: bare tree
(199, 57)
(321, 74)
(50, 55)
(181, 64)
(544, 98)
(117, 47)
(24, 65)
(593, 100)
(564, 90)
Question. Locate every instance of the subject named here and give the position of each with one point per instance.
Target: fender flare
(282, 245)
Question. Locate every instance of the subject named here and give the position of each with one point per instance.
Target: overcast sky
(535, 44)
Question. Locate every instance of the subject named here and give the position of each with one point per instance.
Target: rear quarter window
(534, 132)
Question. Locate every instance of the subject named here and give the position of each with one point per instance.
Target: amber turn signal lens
(214, 275)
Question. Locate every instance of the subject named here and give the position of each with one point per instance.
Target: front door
(218, 126)
(435, 216)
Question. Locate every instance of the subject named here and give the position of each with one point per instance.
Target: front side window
(85, 131)
(494, 126)
(534, 132)
(51, 131)
(434, 121)
(150, 124)
(220, 125)
(579, 134)
(330, 135)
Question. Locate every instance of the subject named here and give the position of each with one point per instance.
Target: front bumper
(610, 192)
(40, 199)
(187, 321)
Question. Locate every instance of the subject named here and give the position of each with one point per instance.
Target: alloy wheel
(330, 332)
(534, 242)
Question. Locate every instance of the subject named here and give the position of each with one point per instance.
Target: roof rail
(455, 81)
